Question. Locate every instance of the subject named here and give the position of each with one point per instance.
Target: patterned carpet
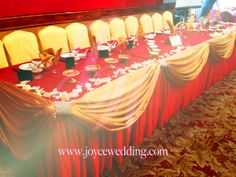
(201, 141)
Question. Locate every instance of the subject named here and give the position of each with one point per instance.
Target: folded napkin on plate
(49, 56)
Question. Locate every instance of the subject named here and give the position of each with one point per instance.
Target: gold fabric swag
(120, 103)
(187, 65)
(222, 47)
(25, 118)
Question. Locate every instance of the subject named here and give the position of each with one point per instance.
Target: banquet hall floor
(201, 141)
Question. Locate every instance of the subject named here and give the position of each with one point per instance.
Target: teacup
(36, 62)
(103, 51)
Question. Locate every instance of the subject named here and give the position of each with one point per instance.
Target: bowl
(81, 55)
(66, 55)
(150, 36)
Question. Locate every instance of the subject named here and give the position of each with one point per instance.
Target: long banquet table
(38, 139)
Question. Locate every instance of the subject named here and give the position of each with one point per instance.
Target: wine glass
(37, 67)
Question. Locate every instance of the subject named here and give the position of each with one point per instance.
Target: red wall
(9, 8)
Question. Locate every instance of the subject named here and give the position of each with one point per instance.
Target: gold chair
(21, 46)
(53, 37)
(157, 22)
(3, 59)
(100, 31)
(167, 15)
(146, 23)
(77, 35)
(117, 28)
(131, 24)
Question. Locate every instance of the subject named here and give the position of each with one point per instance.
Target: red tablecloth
(165, 101)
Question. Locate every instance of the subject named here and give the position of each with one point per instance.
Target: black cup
(24, 75)
(130, 44)
(103, 53)
(70, 62)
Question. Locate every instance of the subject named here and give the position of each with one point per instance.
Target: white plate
(38, 70)
(66, 55)
(167, 32)
(103, 47)
(31, 67)
(153, 46)
(154, 53)
(156, 50)
(150, 36)
(158, 32)
(81, 55)
(151, 41)
(26, 66)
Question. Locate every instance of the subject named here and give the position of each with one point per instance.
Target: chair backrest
(100, 30)
(157, 22)
(167, 15)
(21, 46)
(117, 28)
(3, 59)
(146, 23)
(131, 24)
(77, 35)
(53, 37)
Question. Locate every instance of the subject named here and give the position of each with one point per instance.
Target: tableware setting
(123, 56)
(158, 32)
(111, 60)
(167, 31)
(155, 49)
(153, 46)
(152, 53)
(24, 73)
(25, 66)
(130, 42)
(92, 67)
(79, 56)
(70, 73)
(35, 66)
(112, 45)
(103, 51)
(76, 54)
(150, 36)
(68, 54)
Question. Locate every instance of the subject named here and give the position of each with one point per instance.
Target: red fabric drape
(25, 7)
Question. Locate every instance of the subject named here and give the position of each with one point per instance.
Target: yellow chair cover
(53, 37)
(117, 28)
(3, 59)
(131, 24)
(167, 15)
(21, 46)
(77, 35)
(146, 23)
(157, 22)
(100, 30)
